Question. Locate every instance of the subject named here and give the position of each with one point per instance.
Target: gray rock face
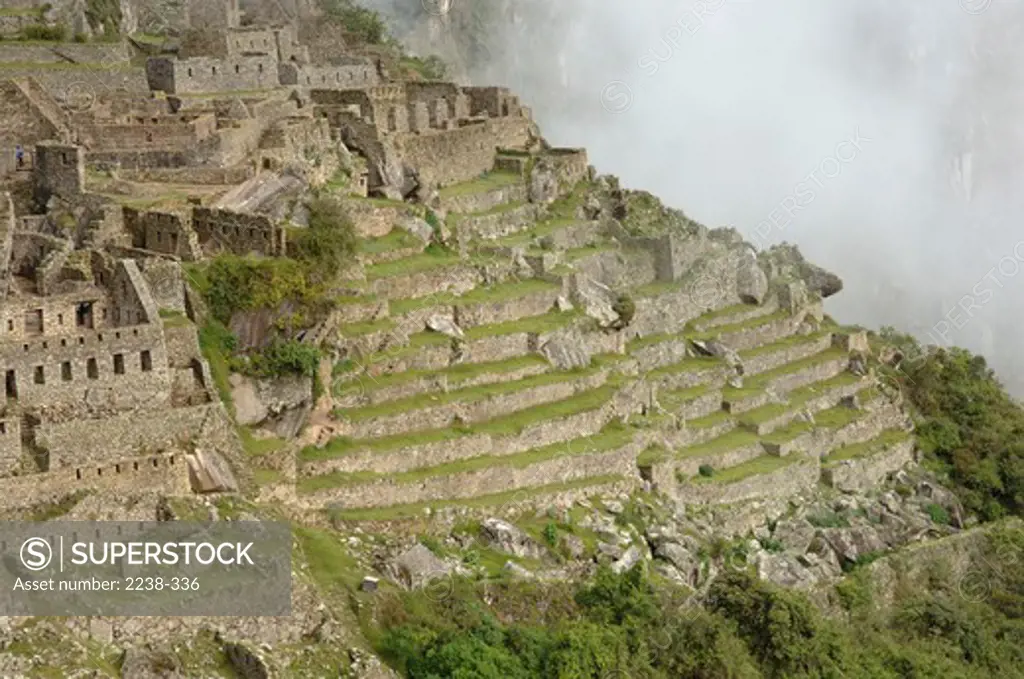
(684, 561)
(445, 325)
(543, 184)
(566, 351)
(209, 473)
(630, 558)
(751, 280)
(505, 537)
(786, 261)
(418, 228)
(245, 662)
(573, 545)
(785, 570)
(850, 543)
(418, 566)
(795, 535)
(279, 404)
(596, 301)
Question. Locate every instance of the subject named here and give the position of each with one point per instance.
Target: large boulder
(279, 405)
(445, 325)
(685, 561)
(418, 566)
(543, 187)
(751, 280)
(505, 537)
(144, 663)
(785, 261)
(794, 534)
(210, 473)
(566, 351)
(630, 558)
(418, 227)
(245, 662)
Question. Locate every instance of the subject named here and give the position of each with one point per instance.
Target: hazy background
(735, 110)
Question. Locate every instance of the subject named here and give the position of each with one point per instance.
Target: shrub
(364, 24)
(283, 357)
(706, 470)
(828, 519)
(551, 533)
(937, 513)
(80, 37)
(329, 242)
(773, 545)
(58, 33)
(625, 308)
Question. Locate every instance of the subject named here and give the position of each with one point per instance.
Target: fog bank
(879, 136)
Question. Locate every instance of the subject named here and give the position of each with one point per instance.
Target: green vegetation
(281, 357)
(486, 182)
(364, 24)
(970, 429)
(42, 32)
(625, 308)
(883, 441)
(744, 628)
(764, 464)
(397, 239)
(428, 68)
(433, 257)
(548, 322)
(328, 243)
(104, 16)
(507, 292)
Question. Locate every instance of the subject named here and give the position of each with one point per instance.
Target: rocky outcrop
(786, 262)
(566, 351)
(278, 405)
(505, 537)
(751, 280)
(418, 567)
(210, 473)
(144, 663)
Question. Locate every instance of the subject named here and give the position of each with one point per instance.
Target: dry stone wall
(862, 474)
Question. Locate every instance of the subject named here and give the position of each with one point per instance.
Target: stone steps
(483, 195)
(504, 303)
(498, 222)
(693, 403)
(464, 406)
(612, 451)
(785, 351)
(423, 275)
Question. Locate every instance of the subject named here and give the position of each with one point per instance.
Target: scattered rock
(417, 566)
(630, 558)
(145, 663)
(563, 304)
(684, 561)
(245, 662)
(514, 569)
(418, 228)
(445, 325)
(614, 506)
(543, 183)
(794, 534)
(507, 538)
(573, 545)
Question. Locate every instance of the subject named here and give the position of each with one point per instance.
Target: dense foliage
(624, 626)
(970, 428)
(364, 24)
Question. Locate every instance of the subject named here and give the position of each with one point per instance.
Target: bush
(551, 533)
(80, 37)
(58, 33)
(283, 357)
(706, 470)
(625, 308)
(365, 24)
(330, 240)
(937, 513)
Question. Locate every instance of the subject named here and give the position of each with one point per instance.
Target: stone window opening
(65, 371)
(46, 345)
(40, 375)
(3, 427)
(60, 319)
(135, 466)
(214, 69)
(11, 384)
(63, 342)
(92, 369)
(119, 364)
(10, 325)
(146, 360)
(78, 474)
(83, 315)
(260, 67)
(156, 462)
(117, 468)
(190, 73)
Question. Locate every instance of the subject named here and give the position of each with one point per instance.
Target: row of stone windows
(81, 339)
(238, 69)
(118, 468)
(92, 368)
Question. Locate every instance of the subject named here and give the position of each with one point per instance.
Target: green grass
(885, 440)
(505, 292)
(259, 446)
(732, 440)
(400, 307)
(544, 323)
(397, 239)
(709, 421)
(367, 327)
(837, 417)
(577, 254)
(758, 383)
(174, 319)
(788, 433)
(784, 343)
(538, 231)
(499, 209)
(759, 465)
(653, 455)
(507, 425)
(674, 399)
(487, 182)
(427, 261)
(468, 395)
(610, 438)
(456, 374)
(691, 364)
(722, 313)
(332, 567)
(656, 289)
(496, 499)
(739, 326)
